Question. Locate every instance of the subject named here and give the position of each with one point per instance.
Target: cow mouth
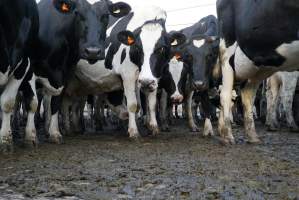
(92, 61)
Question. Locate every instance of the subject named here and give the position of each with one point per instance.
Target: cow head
(150, 50)
(200, 52)
(89, 25)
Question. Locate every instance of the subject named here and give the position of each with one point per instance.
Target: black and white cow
(194, 69)
(137, 50)
(18, 34)
(69, 32)
(258, 38)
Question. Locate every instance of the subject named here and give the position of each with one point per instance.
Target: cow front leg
(152, 103)
(31, 104)
(226, 94)
(206, 106)
(54, 132)
(248, 95)
(193, 127)
(130, 93)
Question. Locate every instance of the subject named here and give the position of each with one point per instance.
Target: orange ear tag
(178, 56)
(65, 7)
(130, 40)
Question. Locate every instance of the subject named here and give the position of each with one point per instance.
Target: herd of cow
(66, 52)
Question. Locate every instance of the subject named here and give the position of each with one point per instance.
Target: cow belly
(94, 79)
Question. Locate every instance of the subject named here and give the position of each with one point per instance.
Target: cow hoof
(31, 142)
(56, 139)
(272, 128)
(6, 144)
(133, 133)
(228, 141)
(254, 140)
(154, 129)
(194, 129)
(165, 128)
(207, 133)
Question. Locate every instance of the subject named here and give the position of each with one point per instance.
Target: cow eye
(161, 50)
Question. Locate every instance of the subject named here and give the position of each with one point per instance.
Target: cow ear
(119, 9)
(177, 39)
(64, 6)
(126, 37)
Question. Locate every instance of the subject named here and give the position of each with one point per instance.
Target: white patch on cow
(175, 69)
(4, 77)
(291, 52)
(198, 43)
(174, 43)
(49, 88)
(150, 34)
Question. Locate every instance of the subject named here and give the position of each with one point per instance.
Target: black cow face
(150, 50)
(200, 53)
(89, 25)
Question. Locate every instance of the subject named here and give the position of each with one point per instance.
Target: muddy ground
(176, 165)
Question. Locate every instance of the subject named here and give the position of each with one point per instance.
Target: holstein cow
(281, 88)
(76, 31)
(252, 48)
(137, 50)
(194, 69)
(18, 34)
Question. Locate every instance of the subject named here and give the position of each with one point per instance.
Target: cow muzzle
(199, 85)
(177, 98)
(147, 84)
(93, 54)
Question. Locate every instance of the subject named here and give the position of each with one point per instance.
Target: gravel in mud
(176, 165)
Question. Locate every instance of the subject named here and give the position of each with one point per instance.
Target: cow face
(200, 53)
(151, 51)
(177, 73)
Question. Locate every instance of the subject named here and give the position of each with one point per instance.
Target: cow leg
(130, 93)
(7, 101)
(65, 112)
(225, 127)
(273, 87)
(287, 97)
(248, 95)
(164, 111)
(193, 127)
(31, 104)
(47, 111)
(205, 102)
(99, 113)
(54, 132)
(152, 103)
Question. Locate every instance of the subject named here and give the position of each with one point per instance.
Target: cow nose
(147, 83)
(93, 52)
(177, 99)
(199, 85)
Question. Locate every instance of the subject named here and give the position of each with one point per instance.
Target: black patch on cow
(20, 72)
(232, 61)
(115, 98)
(123, 56)
(112, 40)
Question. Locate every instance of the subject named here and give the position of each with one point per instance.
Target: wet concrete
(176, 165)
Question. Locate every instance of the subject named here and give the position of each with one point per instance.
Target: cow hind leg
(248, 95)
(31, 104)
(273, 87)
